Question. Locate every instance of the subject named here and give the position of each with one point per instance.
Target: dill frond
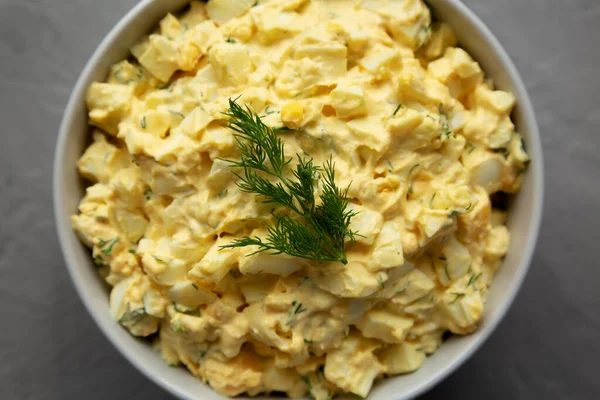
(322, 230)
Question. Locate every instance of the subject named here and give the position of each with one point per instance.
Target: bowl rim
(63, 225)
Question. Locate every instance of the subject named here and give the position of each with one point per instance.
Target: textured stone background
(546, 348)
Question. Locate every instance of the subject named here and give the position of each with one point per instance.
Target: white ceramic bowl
(524, 219)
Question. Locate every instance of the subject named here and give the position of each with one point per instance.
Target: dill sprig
(323, 229)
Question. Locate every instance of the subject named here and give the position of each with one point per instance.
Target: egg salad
(420, 138)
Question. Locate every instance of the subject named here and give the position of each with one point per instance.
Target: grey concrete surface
(546, 348)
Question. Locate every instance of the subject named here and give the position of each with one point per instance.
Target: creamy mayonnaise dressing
(413, 126)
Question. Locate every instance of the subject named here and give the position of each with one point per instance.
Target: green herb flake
(177, 113)
(389, 163)
(230, 40)
(107, 245)
(299, 309)
(139, 73)
(130, 316)
(431, 201)
(446, 131)
(471, 147)
(458, 296)
(424, 35)
(458, 212)
(307, 341)
(410, 171)
(396, 110)
(160, 260)
(446, 271)
(381, 281)
(306, 381)
(473, 279)
(132, 251)
(403, 289)
(143, 123)
(268, 111)
(295, 309)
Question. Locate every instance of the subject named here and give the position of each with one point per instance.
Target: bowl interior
(523, 221)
